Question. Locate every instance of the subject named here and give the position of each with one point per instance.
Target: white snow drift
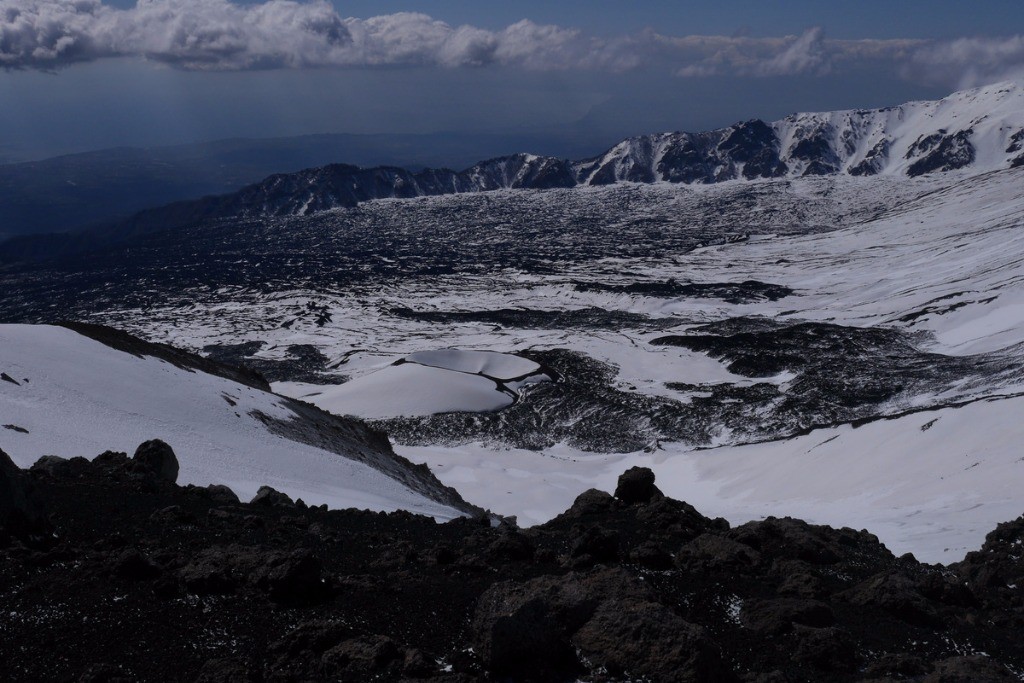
(425, 383)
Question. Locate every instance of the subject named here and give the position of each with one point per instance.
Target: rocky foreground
(109, 571)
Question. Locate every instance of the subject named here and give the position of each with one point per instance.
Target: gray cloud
(809, 53)
(283, 34)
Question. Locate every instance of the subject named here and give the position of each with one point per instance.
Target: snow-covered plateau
(843, 347)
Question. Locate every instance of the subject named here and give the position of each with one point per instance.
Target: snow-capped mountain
(980, 129)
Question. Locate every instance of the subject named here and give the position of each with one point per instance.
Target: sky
(87, 74)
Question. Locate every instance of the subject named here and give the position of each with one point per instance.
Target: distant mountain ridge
(74, 191)
(979, 130)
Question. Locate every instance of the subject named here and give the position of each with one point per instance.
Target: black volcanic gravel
(127, 576)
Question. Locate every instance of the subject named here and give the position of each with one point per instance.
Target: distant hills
(70, 192)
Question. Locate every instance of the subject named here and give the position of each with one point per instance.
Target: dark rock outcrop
(157, 459)
(636, 485)
(20, 512)
(635, 587)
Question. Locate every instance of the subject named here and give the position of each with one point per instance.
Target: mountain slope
(980, 129)
(64, 393)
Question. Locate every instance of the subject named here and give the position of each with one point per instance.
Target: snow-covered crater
(426, 383)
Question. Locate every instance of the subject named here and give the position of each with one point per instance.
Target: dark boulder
(595, 546)
(272, 498)
(675, 519)
(650, 555)
(898, 595)
(525, 629)
(710, 552)
(636, 485)
(134, 566)
(775, 616)
(363, 658)
(510, 546)
(798, 579)
(157, 459)
(211, 572)
(828, 649)
(591, 502)
(291, 578)
(286, 577)
(999, 564)
(112, 460)
(790, 539)
(56, 467)
(638, 640)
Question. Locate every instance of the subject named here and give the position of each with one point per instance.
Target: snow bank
(77, 397)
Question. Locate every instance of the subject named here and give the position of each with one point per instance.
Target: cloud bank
(282, 34)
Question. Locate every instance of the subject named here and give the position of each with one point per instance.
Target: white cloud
(277, 34)
(968, 62)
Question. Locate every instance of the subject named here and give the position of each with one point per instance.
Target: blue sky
(585, 71)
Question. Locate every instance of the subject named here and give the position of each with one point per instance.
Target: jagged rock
(158, 459)
(636, 485)
(772, 617)
(676, 520)
(651, 556)
(511, 546)
(111, 459)
(829, 649)
(211, 572)
(590, 502)
(788, 538)
(56, 467)
(364, 657)
(293, 578)
(898, 595)
(225, 670)
(947, 590)
(712, 552)
(972, 669)
(1000, 561)
(20, 511)
(268, 497)
(237, 594)
(595, 545)
(798, 579)
(222, 494)
(417, 664)
(634, 639)
(895, 666)
(133, 565)
(526, 628)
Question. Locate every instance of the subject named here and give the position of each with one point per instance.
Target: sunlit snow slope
(68, 395)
